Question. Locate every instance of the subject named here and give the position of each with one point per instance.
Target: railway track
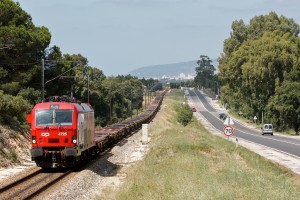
(38, 180)
(32, 184)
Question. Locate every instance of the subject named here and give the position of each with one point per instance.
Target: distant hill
(174, 69)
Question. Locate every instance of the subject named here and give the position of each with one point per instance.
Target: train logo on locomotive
(45, 134)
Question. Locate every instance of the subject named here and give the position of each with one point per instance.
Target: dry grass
(190, 163)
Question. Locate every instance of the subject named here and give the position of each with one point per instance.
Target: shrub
(10, 154)
(184, 114)
(11, 88)
(31, 95)
(13, 109)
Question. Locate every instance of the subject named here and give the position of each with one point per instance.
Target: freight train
(63, 132)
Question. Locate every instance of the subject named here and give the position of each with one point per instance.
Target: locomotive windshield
(54, 117)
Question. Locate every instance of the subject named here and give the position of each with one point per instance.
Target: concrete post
(144, 133)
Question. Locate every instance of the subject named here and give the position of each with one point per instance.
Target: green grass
(190, 163)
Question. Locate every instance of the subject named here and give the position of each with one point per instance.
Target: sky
(118, 36)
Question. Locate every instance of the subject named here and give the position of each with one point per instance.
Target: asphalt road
(284, 144)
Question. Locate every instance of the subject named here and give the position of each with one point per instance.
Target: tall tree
(269, 23)
(284, 106)
(204, 71)
(21, 47)
(252, 68)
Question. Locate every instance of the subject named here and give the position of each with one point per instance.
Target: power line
(38, 62)
(14, 64)
(61, 74)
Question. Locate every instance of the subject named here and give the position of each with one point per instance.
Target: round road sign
(228, 130)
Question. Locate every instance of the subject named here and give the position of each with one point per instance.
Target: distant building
(181, 76)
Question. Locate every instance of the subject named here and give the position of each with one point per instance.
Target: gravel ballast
(106, 173)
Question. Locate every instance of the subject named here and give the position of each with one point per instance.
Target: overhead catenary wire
(61, 74)
(14, 64)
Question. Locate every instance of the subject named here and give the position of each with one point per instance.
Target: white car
(267, 129)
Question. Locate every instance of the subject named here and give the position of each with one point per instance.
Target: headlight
(74, 140)
(33, 140)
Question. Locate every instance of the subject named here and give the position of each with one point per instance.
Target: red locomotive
(63, 132)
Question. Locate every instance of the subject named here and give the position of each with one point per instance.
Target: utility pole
(43, 79)
(145, 99)
(110, 103)
(88, 86)
(148, 98)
